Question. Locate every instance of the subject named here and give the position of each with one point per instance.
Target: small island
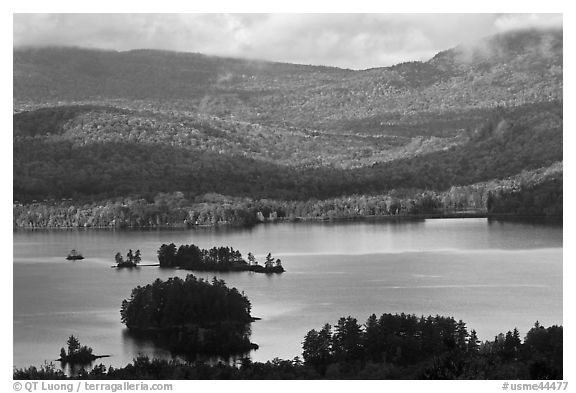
(190, 316)
(74, 256)
(132, 259)
(77, 353)
(221, 259)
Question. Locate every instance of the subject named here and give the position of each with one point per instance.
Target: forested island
(220, 259)
(77, 354)
(392, 346)
(132, 259)
(190, 316)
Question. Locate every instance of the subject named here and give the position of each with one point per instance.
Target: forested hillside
(506, 70)
(99, 127)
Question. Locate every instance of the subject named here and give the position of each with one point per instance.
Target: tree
(73, 345)
(537, 324)
(461, 334)
(251, 259)
(130, 256)
(310, 347)
(269, 263)
(317, 348)
(167, 254)
(473, 341)
(372, 337)
(137, 257)
(516, 337)
(347, 340)
(511, 344)
(119, 258)
(278, 263)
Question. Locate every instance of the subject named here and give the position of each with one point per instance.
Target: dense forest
(190, 316)
(222, 259)
(392, 346)
(544, 199)
(407, 346)
(504, 153)
(55, 167)
(542, 196)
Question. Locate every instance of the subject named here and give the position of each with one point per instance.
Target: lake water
(494, 275)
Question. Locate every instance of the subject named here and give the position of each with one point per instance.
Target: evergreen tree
(73, 345)
(167, 255)
(511, 344)
(137, 257)
(269, 262)
(347, 340)
(130, 256)
(473, 341)
(317, 348)
(118, 258)
(372, 336)
(461, 334)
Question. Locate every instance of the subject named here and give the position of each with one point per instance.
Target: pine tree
(73, 345)
(347, 340)
(516, 338)
(372, 338)
(461, 334)
(137, 257)
(269, 263)
(473, 341)
(317, 348)
(130, 256)
(537, 324)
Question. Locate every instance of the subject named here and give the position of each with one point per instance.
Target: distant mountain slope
(109, 153)
(62, 73)
(86, 124)
(510, 69)
(92, 125)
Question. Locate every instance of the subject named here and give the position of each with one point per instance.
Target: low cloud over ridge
(344, 40)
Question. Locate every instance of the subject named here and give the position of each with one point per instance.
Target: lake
(494, 275)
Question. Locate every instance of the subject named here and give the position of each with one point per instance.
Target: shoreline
(415, 217)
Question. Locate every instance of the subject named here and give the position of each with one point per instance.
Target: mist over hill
(509, 69)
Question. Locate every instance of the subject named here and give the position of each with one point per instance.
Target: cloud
(528, 21)
(343, 40)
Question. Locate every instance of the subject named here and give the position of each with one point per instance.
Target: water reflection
(552, 222)
(153, 348)
(74, 369)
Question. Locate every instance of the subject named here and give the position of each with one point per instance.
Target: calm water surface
(494, 275)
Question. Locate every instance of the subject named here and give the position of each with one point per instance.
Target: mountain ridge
(285, 131)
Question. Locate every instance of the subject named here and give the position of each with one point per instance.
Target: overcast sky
(356, 41)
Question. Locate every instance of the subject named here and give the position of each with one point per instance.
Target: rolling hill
(93, 125)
